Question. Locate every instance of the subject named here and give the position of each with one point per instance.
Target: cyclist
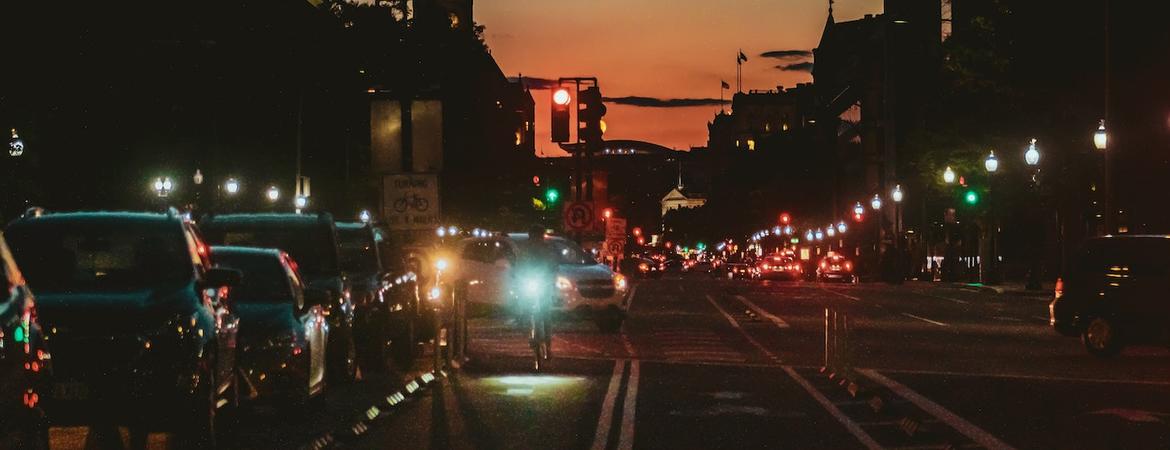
(536, 281)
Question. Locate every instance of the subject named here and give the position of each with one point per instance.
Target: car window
(313, 248)
(357, 250)
(571, 253)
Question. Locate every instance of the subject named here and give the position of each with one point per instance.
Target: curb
(382, 409)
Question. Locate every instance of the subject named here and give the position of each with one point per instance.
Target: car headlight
(441, 264)
(530, 287)
(564, 284)
(619, 282)
(435, 294)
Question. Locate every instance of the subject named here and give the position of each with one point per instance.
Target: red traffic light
(536, 180)
(607, 213)
(559, 121)
(785, 219)
(561, 97)
(637, 231)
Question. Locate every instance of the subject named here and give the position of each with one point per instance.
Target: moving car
(583, 285)
(1114, 294)
(742, 270)
(282, 337)
(646, 267)
(311, 240)
(139, 331)
(836, 267)
(387, 312)
(780, 266)
(23, 361)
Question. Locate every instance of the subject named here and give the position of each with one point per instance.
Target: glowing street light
(1101, 137)
(897, 194)
(364, 216)
(991, 163)
(1032, 155)
(163, 186)
(15, 145)
(808, 235)
(441, 231)
(273, 193)
(231, 186)
(841, 227)
(197, 178)
(858, 209)
(300, 202)
(819, 235)
(949, 176)
(788, 230)
(875, 202)
(830, 231)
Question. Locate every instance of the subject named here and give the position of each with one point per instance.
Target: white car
(484, 265)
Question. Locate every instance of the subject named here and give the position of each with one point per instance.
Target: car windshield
(358, 250)
(264, 278)
(104, 257)
(570, 253)
(312, 248)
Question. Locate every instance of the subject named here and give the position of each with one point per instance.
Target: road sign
(410, 201)
(615, 229)
(578, 216)
(615, 249)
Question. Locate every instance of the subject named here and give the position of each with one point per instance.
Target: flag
(724, 85)
(742, 57)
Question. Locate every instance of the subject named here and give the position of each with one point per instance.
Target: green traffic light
(551, 195)
(971, 198)
(701, 246)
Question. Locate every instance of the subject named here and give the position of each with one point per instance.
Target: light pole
(1101, 142)
(991, 164)
(875, 204)
(300, 203)
(1032, 159)
(949, 176)
(231, 186)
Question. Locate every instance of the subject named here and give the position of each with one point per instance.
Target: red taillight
(1059, 292)
(823, 265)
(849, 266)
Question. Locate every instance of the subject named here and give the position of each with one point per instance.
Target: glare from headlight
(619, 281)
(435, 293)
(531, 287)
(564, 284)
(441, 264)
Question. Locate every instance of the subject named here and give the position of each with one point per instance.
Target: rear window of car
(358, 250)
(312, 247)
(264, 278)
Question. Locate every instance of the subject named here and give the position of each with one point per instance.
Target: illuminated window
(454, 18)
(751, 144)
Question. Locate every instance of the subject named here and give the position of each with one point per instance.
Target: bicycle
(534, 301)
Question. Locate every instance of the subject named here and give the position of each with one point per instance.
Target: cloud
(536, 82)
(651, 102)
(786, 54)
(797, 67)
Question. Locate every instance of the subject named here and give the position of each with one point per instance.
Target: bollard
(827, 360)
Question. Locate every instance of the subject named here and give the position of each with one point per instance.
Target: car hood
(577, 272)
(119, 312)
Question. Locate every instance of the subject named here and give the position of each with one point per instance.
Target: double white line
(608, 406)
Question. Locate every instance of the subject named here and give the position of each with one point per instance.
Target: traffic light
(785, 219)
(971, 197)
(551, 195)
(592, 109)
(559, 126)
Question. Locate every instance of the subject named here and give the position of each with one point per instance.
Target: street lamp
(1032, 155)
(788, 230)
(858, 210)
(231, 186)
(991, 163)
(949, 176)
(830, 231)
(875, 202)
(198, 177)
(364, 216)
(820, 235)
(897, 193)
(841, 227)
(808, 235)
(15, 145)
(273, 194)
(163, 186)
(300, 203)
(1101, 137)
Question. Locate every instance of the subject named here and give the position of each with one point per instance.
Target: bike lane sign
(410, 201)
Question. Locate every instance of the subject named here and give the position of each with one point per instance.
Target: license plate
(70, 390)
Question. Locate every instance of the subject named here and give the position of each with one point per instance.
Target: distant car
(780, 266)
(1114, 294)
(701, 267)
(741, 270)
(835, 267)
(388, 313)
(646, 268)
(138, 329)
(23, 368)
(312, 242)
(583, 285)
(283, 335)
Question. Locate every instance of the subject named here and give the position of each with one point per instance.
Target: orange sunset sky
(656, 48)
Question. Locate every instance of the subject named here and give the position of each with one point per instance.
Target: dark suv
(311, 240)
(386, 302)
(137, 327)
(1115, 294)
(23, 361)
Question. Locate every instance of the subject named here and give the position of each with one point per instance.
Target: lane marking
(1026, 377)
(628, 409)
(961, 425)
(775, 319)
(845, 421)
(841, 294)
(934, 322)
(605, 419)
(747, 336)
(727, 316)
(961, 302)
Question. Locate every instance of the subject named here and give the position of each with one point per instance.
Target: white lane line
(841, 294)
(961, 302)
(961, 425)
(628, 409)
(775, 319)
(934, 322)
(848, 423)
(747, 336)
(605, 419)
(1027, 377)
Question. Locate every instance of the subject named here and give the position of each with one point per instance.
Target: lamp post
(1101, 143)
(231, 186)
(273, 195)
(300, 203)
(1032, 159)
(949, 176)
(875, 204)
(991, 164)
(163, 186)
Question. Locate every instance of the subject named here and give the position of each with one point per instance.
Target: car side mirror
(220, 277)
(318, 297)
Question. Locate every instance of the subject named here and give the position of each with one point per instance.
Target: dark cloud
(786, 54)
(536, 82)
(797, 67)
(652, 102)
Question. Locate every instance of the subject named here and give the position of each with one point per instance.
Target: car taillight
(1059, 291)
(823, 265)
(849, 266)
(767, 267)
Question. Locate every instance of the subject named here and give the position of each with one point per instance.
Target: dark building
(766, 121)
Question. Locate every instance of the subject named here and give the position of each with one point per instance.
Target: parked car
(387, 303)
(138, 329)
(780, 266)
(584, 286)
(283, 335)
(311, 240)
(836, 267)
(1114, 294)
(24, 361)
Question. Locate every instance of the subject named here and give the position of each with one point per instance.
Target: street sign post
(410, 201)
(615, 238)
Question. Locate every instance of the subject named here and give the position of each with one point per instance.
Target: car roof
(519, 237)
(248, 251)
(349, 226)
(284, 219)
(101, 217)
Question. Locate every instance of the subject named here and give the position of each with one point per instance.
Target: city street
(720, 364)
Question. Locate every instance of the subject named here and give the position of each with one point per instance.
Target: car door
(226, 322)
(474, 261)
(312, 321)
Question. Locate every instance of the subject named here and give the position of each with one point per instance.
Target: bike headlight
(441, 264)
(619, 282)
(564, 284)
(530, 287)
(435, 293)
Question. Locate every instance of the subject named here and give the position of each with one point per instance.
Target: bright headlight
(434, 293)
(619, 281)
(530, 287)
(564, 284)
(441, 264)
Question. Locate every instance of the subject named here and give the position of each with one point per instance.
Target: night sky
(659, 49)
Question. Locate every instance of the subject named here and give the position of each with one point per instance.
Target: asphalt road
(713, 363)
